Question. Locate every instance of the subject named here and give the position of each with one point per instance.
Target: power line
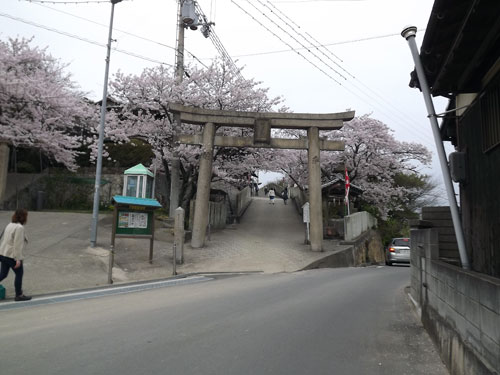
(294, 49)
(295, 39)
(355, 85)
(288, 18)
(301, 55)
(298, 33)
(106, 26)
(217, 42)
(68, 2)
(325, 45)
(305, 39)
(133, 54)
(121, 31)
(64, 33)
(296, 25)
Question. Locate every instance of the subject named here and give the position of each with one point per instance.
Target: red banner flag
(347, 187)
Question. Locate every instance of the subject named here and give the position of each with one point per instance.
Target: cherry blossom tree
(145, 99)
(373, 158)
(40, 106)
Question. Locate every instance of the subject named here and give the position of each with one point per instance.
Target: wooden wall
(480, 193)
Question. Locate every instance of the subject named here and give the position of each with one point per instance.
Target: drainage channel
(45, 300)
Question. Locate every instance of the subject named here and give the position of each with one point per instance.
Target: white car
(398, 251)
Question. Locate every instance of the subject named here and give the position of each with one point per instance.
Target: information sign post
(306, 218)
(134, 218)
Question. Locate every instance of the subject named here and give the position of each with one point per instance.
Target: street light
(95, 211)
(409, 33)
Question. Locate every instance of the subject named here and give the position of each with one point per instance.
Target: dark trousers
(7, 264)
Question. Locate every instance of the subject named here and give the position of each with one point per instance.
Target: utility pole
(179, 67)
(95, 211)
(175, 163)
(186, 17)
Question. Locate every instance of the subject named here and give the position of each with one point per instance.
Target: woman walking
(285, 195)
(11, 251)
(271, 196)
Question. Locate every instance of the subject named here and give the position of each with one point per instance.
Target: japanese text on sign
(132, 220)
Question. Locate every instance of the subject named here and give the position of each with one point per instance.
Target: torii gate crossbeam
(261, 122)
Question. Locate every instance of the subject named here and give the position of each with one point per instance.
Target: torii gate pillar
(316, 212)
(201, 205)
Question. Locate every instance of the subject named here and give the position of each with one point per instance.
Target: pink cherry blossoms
(40, 106)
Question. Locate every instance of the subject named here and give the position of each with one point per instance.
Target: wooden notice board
(134, 218)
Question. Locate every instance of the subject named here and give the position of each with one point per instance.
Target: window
(149, 188)
(141, 186)
(401, 242)
(131, 186)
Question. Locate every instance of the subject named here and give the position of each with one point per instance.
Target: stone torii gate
(262, 123)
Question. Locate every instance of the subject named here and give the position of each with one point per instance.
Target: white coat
(13, 241)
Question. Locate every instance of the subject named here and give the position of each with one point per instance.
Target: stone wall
(459, 308)
(357, 224)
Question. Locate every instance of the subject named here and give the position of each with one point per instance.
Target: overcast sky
(364, 66)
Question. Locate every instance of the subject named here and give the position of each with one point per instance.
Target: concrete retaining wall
(243, 200)
(358, 223)
(365, 250)
(59, 190)
(298, 197)
(460, 308)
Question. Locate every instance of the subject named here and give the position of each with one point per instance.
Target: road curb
(416, 306)
(103, 292)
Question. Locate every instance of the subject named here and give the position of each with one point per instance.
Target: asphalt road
(328, 321)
